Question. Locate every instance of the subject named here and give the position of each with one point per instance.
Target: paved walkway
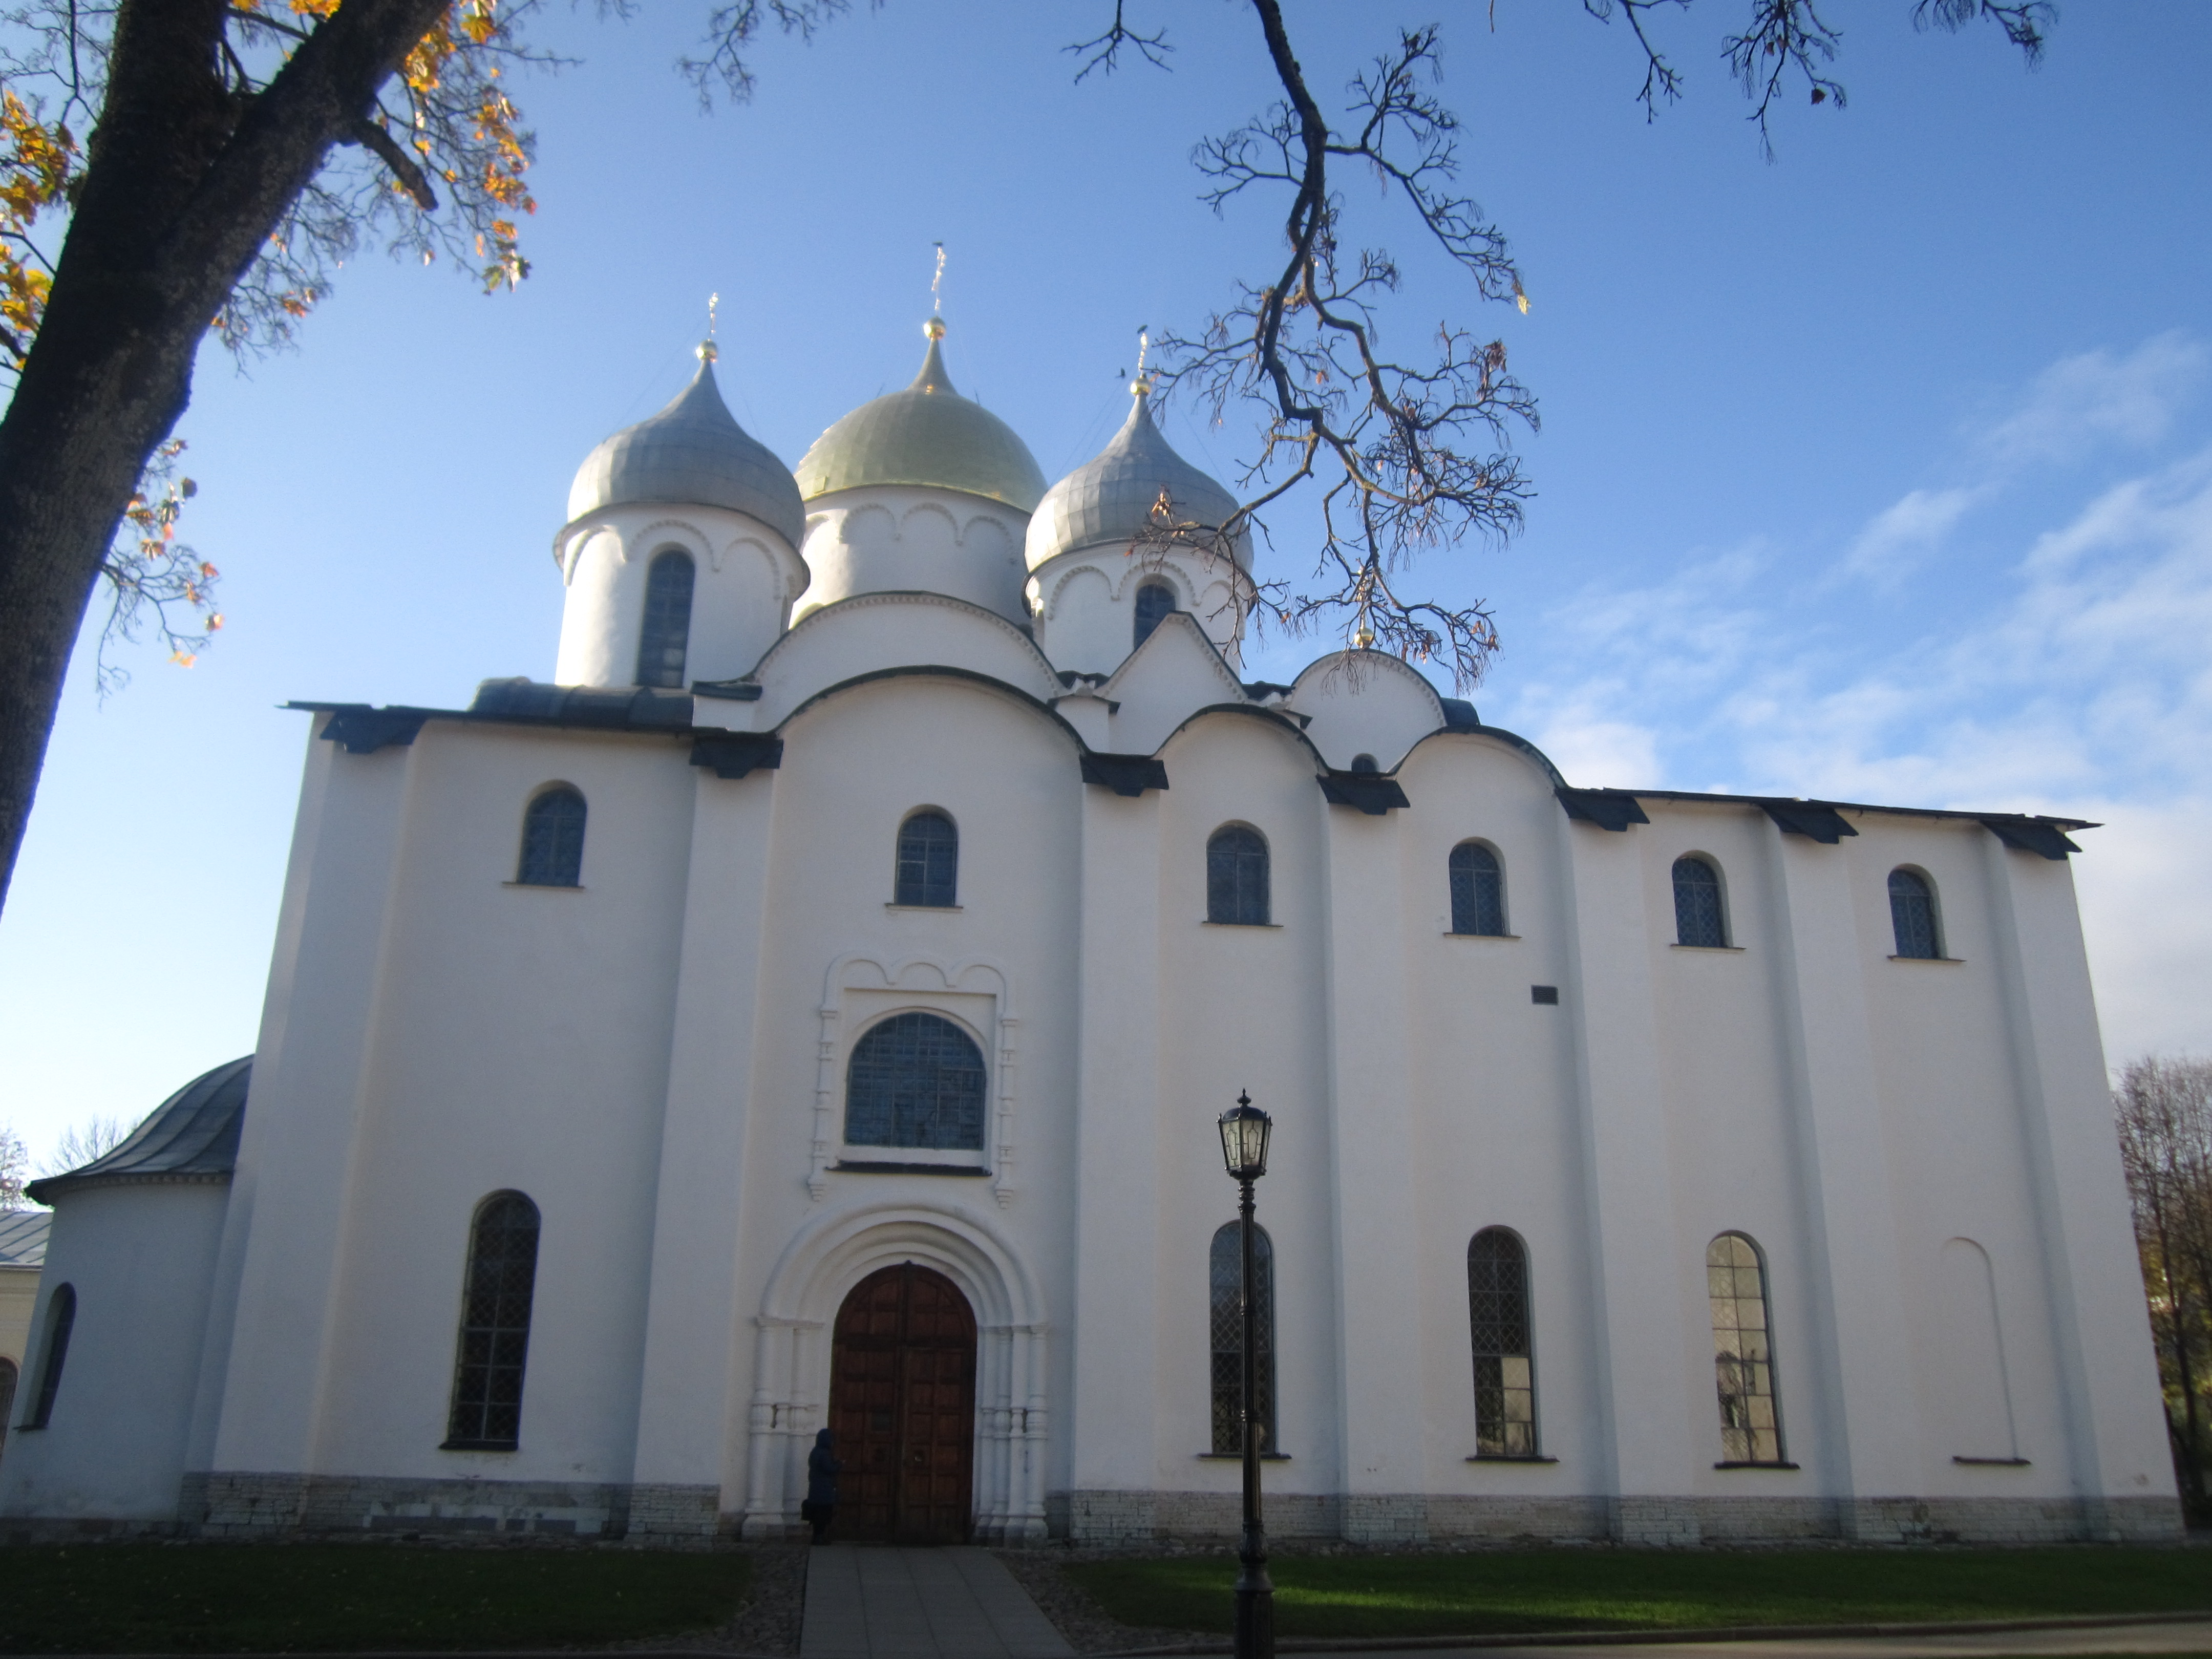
(868, 1601)
(2180, 1638)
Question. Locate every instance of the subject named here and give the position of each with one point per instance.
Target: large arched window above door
(665, 638)
(1225, 1291)
(915, 1079)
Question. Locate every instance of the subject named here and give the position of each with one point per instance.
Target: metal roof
(693, 452)
(191, 1136)
(1111, 497)
(928, 436)
(23, 1237)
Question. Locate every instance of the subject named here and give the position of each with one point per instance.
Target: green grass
(1625, 1590)
(119, 1598)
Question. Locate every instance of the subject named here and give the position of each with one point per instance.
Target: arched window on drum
(664, 639)
(915, 1079)
(1156, 603)
(1478, 889)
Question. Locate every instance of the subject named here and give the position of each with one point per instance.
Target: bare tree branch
(1105, 53)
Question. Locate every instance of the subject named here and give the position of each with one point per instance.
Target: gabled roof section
(1177, 672)
(23, 1237)
(1366, 702)
(192, 1136)
(869, 632)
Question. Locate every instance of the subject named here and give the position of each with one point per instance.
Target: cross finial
(713, 301)
(937, 280)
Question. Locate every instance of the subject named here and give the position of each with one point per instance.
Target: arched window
(1504, 1359)
(6, 1398)
(1912, 916)
(1697, 919)
(1743, 1351)
(495, 1339)
(667, 635)
(1365, 764)
(61, 1319)
(1156, 603)
(1478, 889)
(552, 839)
(1236, 877)
(1225, 1282)
(915, 1080)
(928, 862)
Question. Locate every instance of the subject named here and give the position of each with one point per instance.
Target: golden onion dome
(927, 435)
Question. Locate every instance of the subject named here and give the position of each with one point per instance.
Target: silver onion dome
(694, 453)
(1113, 496)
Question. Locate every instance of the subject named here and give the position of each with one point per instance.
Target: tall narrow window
(53, 1354)
(1236, 877)
(495, 1339)
(1156, 603)
(1743, 1351)
(1912, 916)
(552, 839)
(1226, 1280)
(928, 862)
(1497, 1318)
(1697, 919)
(667, 635)
(6, 1399)
(1478, 889)
(915, 1080)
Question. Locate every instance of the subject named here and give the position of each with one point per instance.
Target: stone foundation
(232, 1504)
(1144, 1517)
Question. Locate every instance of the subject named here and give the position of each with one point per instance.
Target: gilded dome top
(1111, 497)
(927, 435)
(693, 452)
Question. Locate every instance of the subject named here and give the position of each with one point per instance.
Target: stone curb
(1556, 1638)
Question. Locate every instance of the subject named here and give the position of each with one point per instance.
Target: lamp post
(1244, 1131)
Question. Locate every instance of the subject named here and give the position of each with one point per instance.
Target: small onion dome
(1111, 497)
(927, 435)
(191, 1136)
(692, 453)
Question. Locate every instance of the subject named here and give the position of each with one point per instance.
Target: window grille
(915, 1080)
(61, 1320)
(1504, 1361)
(1912, 916)
(1743, 1351)
(1156, 603)
(928, 861)
(1478, 889)
(495, 1337)
(667, 635)
(1697, 919)
(1225, 1276)
(552, 840)
(1236, 877)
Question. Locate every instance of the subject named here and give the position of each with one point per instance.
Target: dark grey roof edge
(1785, 802)
(191, 1136)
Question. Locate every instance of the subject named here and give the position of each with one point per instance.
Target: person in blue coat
(820, 1508)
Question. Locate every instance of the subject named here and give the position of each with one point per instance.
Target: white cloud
(1906, 531)
(2096, 398)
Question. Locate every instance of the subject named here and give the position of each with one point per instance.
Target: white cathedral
(811, 1009)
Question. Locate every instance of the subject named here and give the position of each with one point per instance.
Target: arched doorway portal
(902, 1405)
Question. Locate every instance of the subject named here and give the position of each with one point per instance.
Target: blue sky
(1882, 471)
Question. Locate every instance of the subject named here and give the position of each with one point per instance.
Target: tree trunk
(182, 188)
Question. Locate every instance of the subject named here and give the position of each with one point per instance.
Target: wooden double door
(903, 1408)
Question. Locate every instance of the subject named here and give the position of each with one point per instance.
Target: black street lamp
(1244, 1130)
